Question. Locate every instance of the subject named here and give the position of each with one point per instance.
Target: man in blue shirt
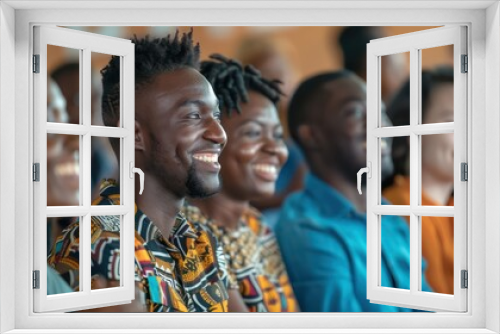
(322, 229)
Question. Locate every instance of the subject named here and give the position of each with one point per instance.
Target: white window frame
(85, 43)
(413, 43)
(483, 21)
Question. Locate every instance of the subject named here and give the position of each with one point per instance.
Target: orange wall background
(309, 49)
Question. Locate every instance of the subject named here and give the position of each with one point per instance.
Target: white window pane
(437, 169)
(105, 252)
(63, 274)
(437, 251)
(100, 61)
(395, 252)
(105, 164)
(394, 74)
(63, 170)
(395, 170)
(63, 100)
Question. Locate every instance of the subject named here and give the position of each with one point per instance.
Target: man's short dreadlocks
(152, 57)
(231, 82)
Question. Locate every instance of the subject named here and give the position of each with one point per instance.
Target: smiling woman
(250, 163)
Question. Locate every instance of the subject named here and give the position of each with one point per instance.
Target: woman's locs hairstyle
(231, 82)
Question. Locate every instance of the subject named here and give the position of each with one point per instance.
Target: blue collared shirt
(323, 243)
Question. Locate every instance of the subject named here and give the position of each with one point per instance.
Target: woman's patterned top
(254, 261)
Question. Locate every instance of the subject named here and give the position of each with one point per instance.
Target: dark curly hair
(152, 57)
(231, 82)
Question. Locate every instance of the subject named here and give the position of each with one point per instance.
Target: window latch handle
(141, 175)
(368, 171)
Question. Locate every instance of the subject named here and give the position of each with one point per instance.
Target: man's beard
(194, 185)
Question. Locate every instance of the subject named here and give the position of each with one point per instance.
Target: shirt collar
(143, 225)
(329, 200)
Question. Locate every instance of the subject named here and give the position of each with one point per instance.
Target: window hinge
(464, 171)
(36, 172)
(465, 279)
(36, 63)
(36, 279)
(465, 64)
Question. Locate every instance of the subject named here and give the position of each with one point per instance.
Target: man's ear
(139, 137)
(308, 137)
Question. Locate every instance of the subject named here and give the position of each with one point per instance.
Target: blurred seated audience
(62, 177)
(179, 266)
(437, 171)
(272, 57)
(104, 163)
(322, 229)
(250, 163)
(62, 163)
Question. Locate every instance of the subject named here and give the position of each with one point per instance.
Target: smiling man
(180, 266)
(322, 229)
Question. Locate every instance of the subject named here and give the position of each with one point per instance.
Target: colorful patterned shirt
(254, 261)
(185, 273)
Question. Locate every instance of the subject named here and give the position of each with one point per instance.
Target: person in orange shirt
(437, 172)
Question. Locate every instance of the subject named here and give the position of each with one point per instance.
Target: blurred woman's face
(62, 154)
(437, 150)
(255, 150)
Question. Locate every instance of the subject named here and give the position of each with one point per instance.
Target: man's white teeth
(270, 169)
(206, 157)
(69, 168)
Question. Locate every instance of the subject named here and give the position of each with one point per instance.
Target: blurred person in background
(104, 163)
(180, 266)
(437, 171)
(62, 154)
(271, 58)
(250, 164)
(62, 177)
(353, 41)
(322, 229)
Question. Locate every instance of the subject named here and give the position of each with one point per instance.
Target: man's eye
(252, 133)
(278, 135)
(356, 111)
(193, 115)
(218, 115)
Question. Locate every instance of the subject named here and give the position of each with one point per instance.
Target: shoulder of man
(68, 243)
(66, 247)
(105, 224)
